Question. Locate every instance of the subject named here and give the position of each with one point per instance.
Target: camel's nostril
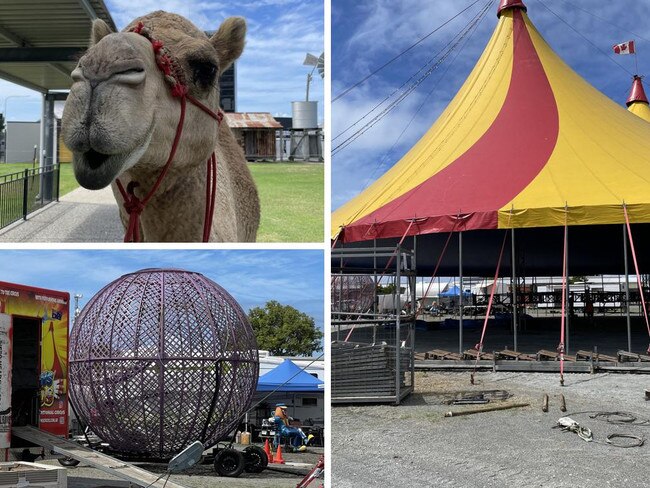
(95, 159)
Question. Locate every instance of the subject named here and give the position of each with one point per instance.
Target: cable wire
(409, 90)
(419, 41)
(417, 111)
(573, 5)
(586, 39)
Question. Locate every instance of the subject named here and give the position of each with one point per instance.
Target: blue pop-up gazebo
(454, 291)
(287, 377)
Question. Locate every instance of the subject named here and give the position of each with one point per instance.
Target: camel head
(121, 114)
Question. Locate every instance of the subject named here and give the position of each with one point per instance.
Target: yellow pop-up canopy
(526, 142)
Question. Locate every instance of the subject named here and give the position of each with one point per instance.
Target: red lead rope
(173, 75)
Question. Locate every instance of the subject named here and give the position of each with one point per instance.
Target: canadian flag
(624, 48)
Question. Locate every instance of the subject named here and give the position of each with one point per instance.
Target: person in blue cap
(297, 437)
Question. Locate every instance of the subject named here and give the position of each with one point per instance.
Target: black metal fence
(27, 191)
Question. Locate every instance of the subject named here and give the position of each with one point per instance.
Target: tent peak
(506, 4)
(637, 93)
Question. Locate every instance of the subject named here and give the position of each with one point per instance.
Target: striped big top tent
(526, 142)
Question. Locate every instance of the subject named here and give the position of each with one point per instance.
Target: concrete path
(80, 216)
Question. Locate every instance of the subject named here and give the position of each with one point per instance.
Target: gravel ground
(415, 445)
(202, 476)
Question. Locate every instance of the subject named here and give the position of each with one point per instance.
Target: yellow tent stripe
(463, 122)
(602, 158)
(640, 109)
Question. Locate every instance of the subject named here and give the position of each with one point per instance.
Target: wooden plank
(514, 355)
(442, 354)
(473, 354)
(631, 356)
(108, 464)
(545, 355)
(584, 355)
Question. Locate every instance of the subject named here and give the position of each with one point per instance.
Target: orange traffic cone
(278, 456)
(267, 451)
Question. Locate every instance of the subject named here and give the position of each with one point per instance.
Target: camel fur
(120, 120)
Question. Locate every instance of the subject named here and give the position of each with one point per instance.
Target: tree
(285, 331)
(389, 289)
(2, 123)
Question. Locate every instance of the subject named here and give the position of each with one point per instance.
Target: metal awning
(41, 40)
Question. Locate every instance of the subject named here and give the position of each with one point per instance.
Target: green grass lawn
(68, 182)
(291, 194)
(292, 199)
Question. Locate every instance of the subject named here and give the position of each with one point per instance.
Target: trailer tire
(229, 463)
(68, 461)
(256, 459)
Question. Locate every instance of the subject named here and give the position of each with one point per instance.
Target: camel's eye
(203, 72)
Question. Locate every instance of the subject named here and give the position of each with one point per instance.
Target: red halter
(175, 78)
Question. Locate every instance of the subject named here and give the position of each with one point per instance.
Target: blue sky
(367, 33)
(270, 73)
(253, 277)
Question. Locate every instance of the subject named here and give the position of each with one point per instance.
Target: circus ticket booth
(33, 362)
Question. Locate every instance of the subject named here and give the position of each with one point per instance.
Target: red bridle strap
(133, 204)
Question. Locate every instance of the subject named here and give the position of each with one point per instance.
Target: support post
(414, 305)
(569, 308)
(338, 330)
(398, 307)
(627, 292)
(514, 288)
(375, 299)
(49, 122)
(25, 193)
(460, 297)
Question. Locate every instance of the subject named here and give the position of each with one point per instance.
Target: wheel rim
(229, 463)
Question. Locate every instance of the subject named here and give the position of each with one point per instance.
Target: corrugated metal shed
(40, 40)
(252, 120)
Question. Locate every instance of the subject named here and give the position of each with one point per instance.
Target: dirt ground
(415, 445)
(202, 476)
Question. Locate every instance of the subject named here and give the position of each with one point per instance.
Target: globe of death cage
(160, 358)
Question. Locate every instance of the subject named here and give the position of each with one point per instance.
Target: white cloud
(270, 74)
(252, 277)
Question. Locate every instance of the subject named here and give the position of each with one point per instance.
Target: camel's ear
(229, 41)
(99, 31)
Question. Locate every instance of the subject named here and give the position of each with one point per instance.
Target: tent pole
(627, 292)
(375, 297)
(338, 331)
(414, 270)
(460, 296)
(398, 310)
(569, 308)
(514, 288)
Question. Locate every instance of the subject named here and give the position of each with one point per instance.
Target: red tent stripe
(493, 171)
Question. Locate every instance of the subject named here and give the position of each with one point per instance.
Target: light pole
(4, 113)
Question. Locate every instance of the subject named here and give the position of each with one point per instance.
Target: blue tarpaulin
(454, 291)
(288, 377)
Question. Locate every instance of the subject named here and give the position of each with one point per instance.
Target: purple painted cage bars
(159, 359)
(352, 293)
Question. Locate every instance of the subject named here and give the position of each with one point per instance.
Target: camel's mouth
(95, 170)
(95, 159)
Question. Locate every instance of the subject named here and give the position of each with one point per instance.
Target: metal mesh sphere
(160, 358)
(352, 293)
